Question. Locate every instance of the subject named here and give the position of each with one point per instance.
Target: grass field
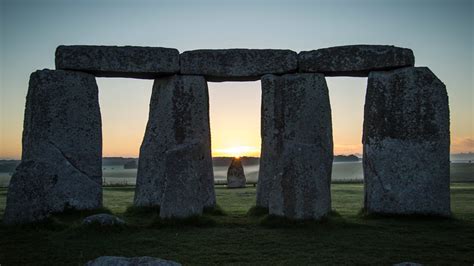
(235, 238)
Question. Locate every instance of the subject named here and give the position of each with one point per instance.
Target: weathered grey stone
(185, 170)
(62, 148)
(237, 64)
(103, 219)
(179, 115)
(354, 60)
(297, 150)
(119, 61)
(134, 261)
(406, 143)
(236, 174)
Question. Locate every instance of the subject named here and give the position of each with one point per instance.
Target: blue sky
(439, 32)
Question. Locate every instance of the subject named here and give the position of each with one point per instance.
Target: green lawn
(346, 238)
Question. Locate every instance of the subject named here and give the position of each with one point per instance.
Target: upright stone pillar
(178, 124)
(61, 164)
(297, 148)
(406, 143)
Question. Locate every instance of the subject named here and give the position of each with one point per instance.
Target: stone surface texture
(186, 171)
(62, 148)
(134, 261)
(355, 60)
(236, 174)
(118, 61)
(238, 64)
(406, 143)
(103, 219)
(297, 149)
(178, 125)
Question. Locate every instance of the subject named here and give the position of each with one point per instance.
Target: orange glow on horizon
(236, 151)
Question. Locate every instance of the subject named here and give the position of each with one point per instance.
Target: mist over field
(116, 170)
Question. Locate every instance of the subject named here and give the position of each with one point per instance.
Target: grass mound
(214, 211)
(139, 211)
(71, 215)
(274, 221)
(193, 221)
(97, 227)
(257, 211)
(48, 224)
(61, 220)
(422, 217)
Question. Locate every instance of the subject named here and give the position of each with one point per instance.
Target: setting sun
(235, 118)
(237, 151)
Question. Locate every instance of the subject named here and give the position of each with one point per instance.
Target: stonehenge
(61, 163)
(405, 137)
(178, 126)
(406, 143)
(296, 117)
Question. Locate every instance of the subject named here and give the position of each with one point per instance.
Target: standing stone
(354, 60)
(186, 171)
(406, 143)
(62, 148)
(118, 61)
(297, 149)
(237, 64)
(236, 174)
(178, 125)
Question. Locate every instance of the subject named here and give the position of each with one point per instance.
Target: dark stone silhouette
(354, 60)
(178, 120)
(236, 174)
(237, 64)
(406, 143)
(62, 148)
(297, 149)
(119, 61)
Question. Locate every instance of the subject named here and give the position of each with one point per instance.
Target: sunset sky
(439, 32)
